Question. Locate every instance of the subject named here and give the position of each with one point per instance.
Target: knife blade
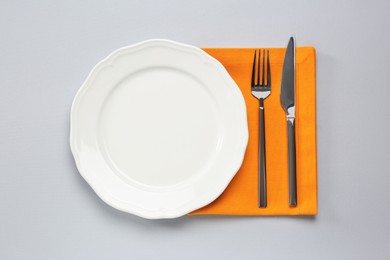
(287, 100)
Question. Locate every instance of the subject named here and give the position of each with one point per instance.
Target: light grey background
(47, 48)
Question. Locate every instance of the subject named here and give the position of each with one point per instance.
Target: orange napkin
(240, 197)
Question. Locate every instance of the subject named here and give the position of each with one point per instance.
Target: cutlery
(287, 100)
(261, 89)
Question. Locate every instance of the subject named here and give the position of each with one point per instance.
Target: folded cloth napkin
(240, 197)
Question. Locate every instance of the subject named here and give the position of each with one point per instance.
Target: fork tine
(254, 71)
(259, 82)
(263, 69)
(268, 71)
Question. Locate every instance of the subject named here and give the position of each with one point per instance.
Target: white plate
(158, 129)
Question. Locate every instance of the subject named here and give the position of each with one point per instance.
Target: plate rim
(148, 214)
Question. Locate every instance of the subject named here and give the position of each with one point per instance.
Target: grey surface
(47, 48)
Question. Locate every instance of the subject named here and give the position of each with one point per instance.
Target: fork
(261, 89)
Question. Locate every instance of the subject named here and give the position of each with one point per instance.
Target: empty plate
(158, 129)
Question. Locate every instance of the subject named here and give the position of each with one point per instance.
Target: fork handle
(292, 177)
(262, 182)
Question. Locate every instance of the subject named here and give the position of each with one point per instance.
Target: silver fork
(261, 89)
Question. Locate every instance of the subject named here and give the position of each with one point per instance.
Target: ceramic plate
(158, 129)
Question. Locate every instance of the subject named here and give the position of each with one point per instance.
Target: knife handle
(292, 176)
(262, 182)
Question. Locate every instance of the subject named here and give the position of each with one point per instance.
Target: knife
(287, 100)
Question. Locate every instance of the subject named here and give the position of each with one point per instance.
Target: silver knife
(287, 99)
